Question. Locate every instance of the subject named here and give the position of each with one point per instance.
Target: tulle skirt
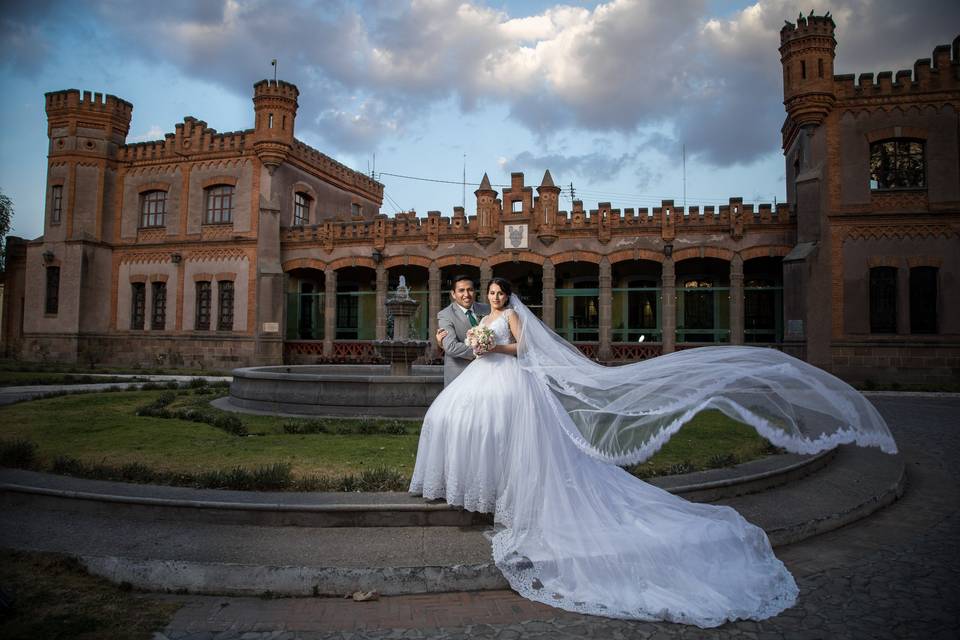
(580, 534)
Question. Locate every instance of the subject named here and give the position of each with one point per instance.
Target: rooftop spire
(547, 179)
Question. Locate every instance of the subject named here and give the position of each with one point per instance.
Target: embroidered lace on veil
(624, 414)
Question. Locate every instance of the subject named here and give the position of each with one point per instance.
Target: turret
(486, 211)
(548, 205)
(807, 51)
(92, 119)
(275, 106)
(85, 131)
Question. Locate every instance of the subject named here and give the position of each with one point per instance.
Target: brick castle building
(210, 249)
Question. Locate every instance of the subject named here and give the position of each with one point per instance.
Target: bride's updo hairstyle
(504, 285)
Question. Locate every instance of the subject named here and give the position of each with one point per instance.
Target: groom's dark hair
(458, 278)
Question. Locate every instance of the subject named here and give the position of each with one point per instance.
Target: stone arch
(399, 261)
(703, 252)
(303, 263)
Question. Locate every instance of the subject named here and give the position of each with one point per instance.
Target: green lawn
(55, 599)
(102, 428)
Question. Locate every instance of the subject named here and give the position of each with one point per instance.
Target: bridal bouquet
(480, 339)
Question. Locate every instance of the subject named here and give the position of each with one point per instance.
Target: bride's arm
(514, 322)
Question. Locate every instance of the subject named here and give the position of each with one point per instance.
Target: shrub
(197, 383)
(395, 428)
(719, 460)
(679, 468)
(18, 454)
(230, 424)
(382, 479)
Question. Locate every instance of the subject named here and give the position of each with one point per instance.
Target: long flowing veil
(624, 414)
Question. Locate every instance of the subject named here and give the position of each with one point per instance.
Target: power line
(458, 182)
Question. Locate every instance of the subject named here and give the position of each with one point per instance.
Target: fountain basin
(336, 390)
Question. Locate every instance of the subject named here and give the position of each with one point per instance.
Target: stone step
(243, 559)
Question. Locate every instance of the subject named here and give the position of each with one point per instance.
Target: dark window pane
(52, 302)
(153, 209)
(225, 306)
(883, 300)
(138, 300)
(301, 208)
(203, 305)
(158, 315)
(897, 163)
(923, 300)
(56, 210)
(219, 208)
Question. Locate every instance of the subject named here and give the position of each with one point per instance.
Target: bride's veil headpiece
(624, 414)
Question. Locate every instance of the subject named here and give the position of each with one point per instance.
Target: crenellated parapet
(192, 138)
(939, 73)
(69, 110)
(337, 172)
(603, 223)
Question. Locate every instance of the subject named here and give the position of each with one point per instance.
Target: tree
(6, 219)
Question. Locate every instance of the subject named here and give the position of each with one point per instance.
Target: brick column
(668, 311)
(486, 272)
(606, 309)
(736, 299)
(549, 293)
(433, 306)
(329, 310)
(381, 302)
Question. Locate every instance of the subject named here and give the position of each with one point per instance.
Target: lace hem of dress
(523, 576)
(481, 499)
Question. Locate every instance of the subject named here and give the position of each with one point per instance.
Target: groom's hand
(441, 334)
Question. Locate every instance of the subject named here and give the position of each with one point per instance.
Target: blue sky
(605, 95)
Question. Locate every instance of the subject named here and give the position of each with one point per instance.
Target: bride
(533, 432)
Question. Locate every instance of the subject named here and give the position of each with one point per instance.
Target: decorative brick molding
(459, 260)
(159, 277)
(153, 186)
(896, 132)
(232, 277)
(303, 263)
(215, 181)
(402, 261)
(925, 261)
(575, 256)
(884, 261)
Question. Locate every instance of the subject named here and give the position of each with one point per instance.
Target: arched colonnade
(628, 305)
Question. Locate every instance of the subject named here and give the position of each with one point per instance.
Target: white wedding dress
(574, 530)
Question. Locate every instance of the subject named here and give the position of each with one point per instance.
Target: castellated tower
(74, 260)
(807, 50)
(85, 132)
(275, 105)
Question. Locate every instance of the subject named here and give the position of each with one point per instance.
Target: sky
(611, 97)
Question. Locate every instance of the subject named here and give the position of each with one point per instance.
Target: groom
(453, 323)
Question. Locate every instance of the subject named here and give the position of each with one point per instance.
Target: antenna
(683, 153)
(463, 201)
(373, 174)
(573, 192)
(273, 63)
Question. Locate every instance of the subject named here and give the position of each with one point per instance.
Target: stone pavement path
(894, 575)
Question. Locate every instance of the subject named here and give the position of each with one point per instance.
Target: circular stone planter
(336, 390)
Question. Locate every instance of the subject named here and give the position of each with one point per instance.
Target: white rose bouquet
(481, 339)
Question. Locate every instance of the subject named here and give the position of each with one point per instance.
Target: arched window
(301, 209)
(219, 205)
(153, 208)
(898, 164)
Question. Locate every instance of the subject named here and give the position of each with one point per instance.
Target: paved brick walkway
(895, 575)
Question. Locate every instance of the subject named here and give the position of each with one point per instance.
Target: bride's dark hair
(504, 285)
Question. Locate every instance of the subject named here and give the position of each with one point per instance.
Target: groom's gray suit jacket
(456, 354)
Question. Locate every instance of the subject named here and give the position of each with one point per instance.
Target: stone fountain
(401, 350)
(400, 389)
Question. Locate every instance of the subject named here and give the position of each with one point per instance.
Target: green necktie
(472, 318)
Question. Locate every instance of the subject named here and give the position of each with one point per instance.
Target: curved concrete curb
(329, 510)
(253, 580)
